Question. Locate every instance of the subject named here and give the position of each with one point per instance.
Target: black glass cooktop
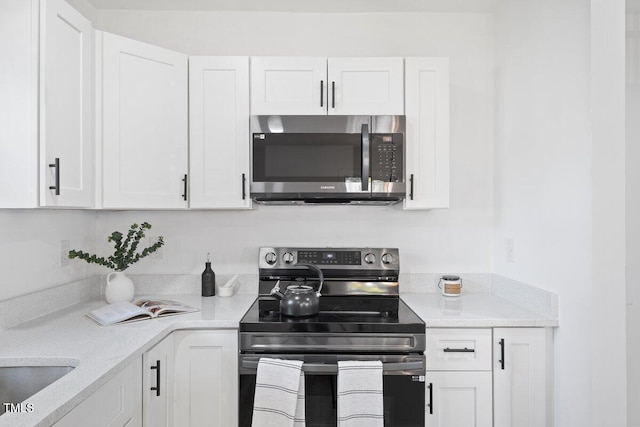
(337, 315)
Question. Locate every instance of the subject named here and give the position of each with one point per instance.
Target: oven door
(403, 386)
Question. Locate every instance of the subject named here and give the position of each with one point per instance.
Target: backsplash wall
(30, 248)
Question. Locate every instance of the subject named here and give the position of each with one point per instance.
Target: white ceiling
(347, 6)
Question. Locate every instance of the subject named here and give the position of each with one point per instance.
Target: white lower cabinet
(500, 377)
(458, 378)
(522, 370)
(206, 378)
(116, 404)
(157, 384)
(458, 399)
(197, 373)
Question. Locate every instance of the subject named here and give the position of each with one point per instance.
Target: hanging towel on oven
(360, 397)
(279, 394)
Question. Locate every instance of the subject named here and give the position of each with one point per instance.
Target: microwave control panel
(387, 157)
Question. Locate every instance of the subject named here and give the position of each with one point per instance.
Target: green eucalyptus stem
(125, 252)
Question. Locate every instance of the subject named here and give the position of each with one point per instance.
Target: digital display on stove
(330, 257)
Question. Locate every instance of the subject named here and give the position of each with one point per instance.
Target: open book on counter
(122, 312)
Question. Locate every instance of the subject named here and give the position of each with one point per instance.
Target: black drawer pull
(430, 404)
(184, 194)
(459, 350)
(411, 188)
(157, 387)
(333, 94)
(501, 354)
(57, 166)
(244, 192)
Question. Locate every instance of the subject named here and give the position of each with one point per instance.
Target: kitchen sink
(18, 383)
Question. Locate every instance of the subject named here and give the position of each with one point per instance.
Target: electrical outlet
(64, 252)
(510, 251)
(157, 254)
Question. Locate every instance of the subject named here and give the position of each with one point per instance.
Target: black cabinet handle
(244, 192)
(501, 354)
(333, 94)
(322, 93)
(157, 387)
(411, 187)
(430, 404)
(184, 194)
(459, 350)
(56, 165)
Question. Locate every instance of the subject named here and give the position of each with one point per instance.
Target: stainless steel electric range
(361, 317)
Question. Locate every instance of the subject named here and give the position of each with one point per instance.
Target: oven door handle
(330, 368)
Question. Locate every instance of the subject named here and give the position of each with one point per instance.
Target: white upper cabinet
(288, 86)
(46, 106)
(365, 86)
(427, 151)
(19, 103)
(316, 86)
(66, 106)
(219, 132)
(144, 125)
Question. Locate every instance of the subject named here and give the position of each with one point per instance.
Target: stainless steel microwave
(328, 159)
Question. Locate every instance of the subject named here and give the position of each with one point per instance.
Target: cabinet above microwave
(327, 86)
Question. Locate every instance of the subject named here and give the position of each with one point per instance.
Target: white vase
(119, 287)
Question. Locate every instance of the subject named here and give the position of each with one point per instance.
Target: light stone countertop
(473, 310)
(67, 337)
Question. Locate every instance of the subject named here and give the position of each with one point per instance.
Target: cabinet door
(458, 399)
(116, 404)
(206, 378)
(366, 86)
(520, 377)
(157, 384)
(144, 122)
(219, 132)
(427, 151)
(19, 103)
(66, 106)
(288, 86)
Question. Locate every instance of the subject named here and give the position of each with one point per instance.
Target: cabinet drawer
(458, 350)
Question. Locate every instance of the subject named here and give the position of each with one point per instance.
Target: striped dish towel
(360, 398)
(279, 395)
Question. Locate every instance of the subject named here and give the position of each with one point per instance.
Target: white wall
(551, 185)
(30, 248)
(453, 240)
(633, 211)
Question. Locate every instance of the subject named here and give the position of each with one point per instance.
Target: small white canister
(451, 286)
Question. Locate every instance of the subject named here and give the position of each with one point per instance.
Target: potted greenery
(119, 286)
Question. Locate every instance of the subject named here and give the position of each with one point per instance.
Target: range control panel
(337, 258)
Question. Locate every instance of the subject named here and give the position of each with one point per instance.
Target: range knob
(369, 258)
(287, 257)
(271, 258)
(387, 259)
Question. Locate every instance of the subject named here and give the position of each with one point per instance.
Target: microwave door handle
(366, 164)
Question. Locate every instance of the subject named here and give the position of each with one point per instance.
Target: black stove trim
(406, 321)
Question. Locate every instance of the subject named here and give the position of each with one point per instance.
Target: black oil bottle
(208, 279)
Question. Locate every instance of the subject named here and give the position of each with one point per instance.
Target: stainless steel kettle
(300, 300)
